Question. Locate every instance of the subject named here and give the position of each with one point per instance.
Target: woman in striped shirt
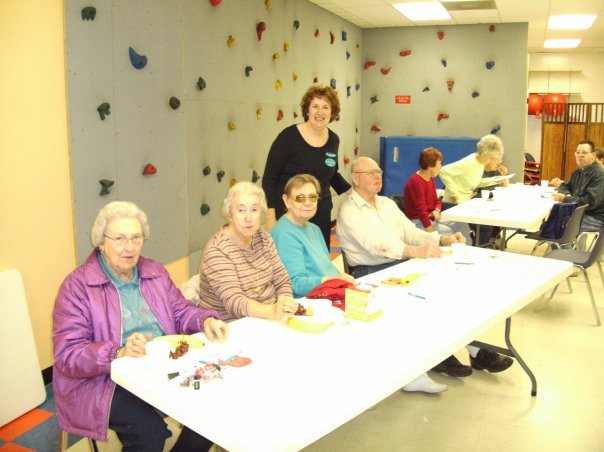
(240, 273)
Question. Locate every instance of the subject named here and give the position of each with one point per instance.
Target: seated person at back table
(555, 182)
(490, 233)
(240, 272)
(300, 243)
(585, 186)
(421, 202)
(106, 309)
(375, 234)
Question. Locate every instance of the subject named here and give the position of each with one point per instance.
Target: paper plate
(308, 324)
(174, 339)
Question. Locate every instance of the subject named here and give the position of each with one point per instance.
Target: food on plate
(304, 311)
(181, 348)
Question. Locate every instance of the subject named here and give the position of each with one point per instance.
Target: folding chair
(569, 236)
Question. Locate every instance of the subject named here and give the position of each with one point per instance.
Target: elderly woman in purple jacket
(109, 308)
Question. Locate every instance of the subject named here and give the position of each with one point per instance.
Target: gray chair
(583, 260)
(568, 237)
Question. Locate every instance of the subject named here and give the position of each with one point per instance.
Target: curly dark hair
(321, 92)
(428, 158)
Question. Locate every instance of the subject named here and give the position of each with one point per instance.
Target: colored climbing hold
(385, 70)
(260, 28)
(450, 84)
(348, 91)
(174, 103)
(368, 64)
(344, 36)
(358, 47)
(315, 80)
(490, 64)
(280, 115)
(278, 85)
(105, 185)
(475, 94)
(268, 5)
(442, 116)
(405, 53)
(255, 176)
(332, 37)
(427, 88)
(204, 209)
(316, 32)
(149, 169)
(443, 62)
(296, 24)
(357, 86)
(294, 76)
(356, 130)
(230, 41)
(206, 170)
(231, 126)
(232, 182)
(276, 56)
(295, 114)
(103, 110)
(88, 13)
(201, 84)
(332, 83)
(356, 151)
(492, 28)
(220, 175)
(248, 69)
(373, 99)
(495, 129)
(375, 128)
(346, 160)
(347, 55)
(259, 114)
(138, 61)
(441, 35)
(215, 2)
(285, 46)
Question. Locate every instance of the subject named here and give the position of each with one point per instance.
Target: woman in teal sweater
(300, 243)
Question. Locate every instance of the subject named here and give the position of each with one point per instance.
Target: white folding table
(516, 207)
(299, 386)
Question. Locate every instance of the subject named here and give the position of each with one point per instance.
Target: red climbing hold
(385, 70)
(149, 169)
(443, 116)
(368, 64)
(405, 53)
(260, 28)
(375, 128)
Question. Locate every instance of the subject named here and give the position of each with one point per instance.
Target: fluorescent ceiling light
(571, 21)
(561, 43)
(422, 11)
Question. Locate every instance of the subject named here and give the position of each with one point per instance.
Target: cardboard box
(361, 303)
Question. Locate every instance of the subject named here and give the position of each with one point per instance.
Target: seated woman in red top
(421, 202)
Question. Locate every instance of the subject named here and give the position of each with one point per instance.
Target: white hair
(111, 211)
(238, 189)
(490, 146)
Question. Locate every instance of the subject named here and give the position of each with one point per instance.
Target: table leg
(477, 236)
(511, 352)
(503, 230)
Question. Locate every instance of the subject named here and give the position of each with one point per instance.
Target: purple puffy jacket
(87, 331)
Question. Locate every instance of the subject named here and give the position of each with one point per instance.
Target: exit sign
(402, 99)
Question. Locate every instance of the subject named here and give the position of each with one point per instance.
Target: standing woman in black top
(311, 148)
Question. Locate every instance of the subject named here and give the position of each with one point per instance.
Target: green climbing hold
(220, 175)
(103, 110)
(204, 209)
(88, 13)
(207, 170)
(105, 184)
(201, 84)
(255, 177)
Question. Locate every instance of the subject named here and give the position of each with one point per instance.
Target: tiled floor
(483, 412)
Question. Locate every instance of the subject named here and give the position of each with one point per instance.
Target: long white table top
(301, 386)
(515, 206)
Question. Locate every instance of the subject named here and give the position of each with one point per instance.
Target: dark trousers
(141, 428)
(364, 270)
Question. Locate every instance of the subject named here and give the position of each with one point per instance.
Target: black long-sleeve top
(586, 186)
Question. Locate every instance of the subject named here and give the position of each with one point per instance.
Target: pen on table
(416, 296)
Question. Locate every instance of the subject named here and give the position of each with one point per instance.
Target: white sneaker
(424, 383)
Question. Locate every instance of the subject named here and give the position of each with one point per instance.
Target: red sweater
(420, 199)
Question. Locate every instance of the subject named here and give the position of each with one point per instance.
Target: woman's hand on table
(446, 240)
(215, 329)
(134, 346)
(558, 197)
(285, 306)
(422, 252)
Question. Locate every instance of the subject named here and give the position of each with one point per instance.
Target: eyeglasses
(582, 152)
(121, 240)
(371, 173)
(300, 199)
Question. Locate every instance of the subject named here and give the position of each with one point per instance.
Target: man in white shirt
(375, 234)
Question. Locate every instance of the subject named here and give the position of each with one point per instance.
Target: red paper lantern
(554, 98)
(535, 104)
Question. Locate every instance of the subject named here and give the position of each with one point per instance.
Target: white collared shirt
(376, 235)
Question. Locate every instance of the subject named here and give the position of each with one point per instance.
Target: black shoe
(453, 368)
(491, 361)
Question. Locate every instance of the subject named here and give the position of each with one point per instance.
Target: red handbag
(332, 289)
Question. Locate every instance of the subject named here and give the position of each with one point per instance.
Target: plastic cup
(458, 250)
(485, 194)
(544, 183)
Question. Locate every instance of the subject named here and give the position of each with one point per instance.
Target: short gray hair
(111, 211)
(490, 146)
(238, 189)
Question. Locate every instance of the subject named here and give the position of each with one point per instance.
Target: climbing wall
(171, 101)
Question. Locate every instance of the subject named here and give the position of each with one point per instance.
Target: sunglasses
(300, 199)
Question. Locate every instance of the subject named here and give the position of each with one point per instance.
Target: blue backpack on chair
(554, 226)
